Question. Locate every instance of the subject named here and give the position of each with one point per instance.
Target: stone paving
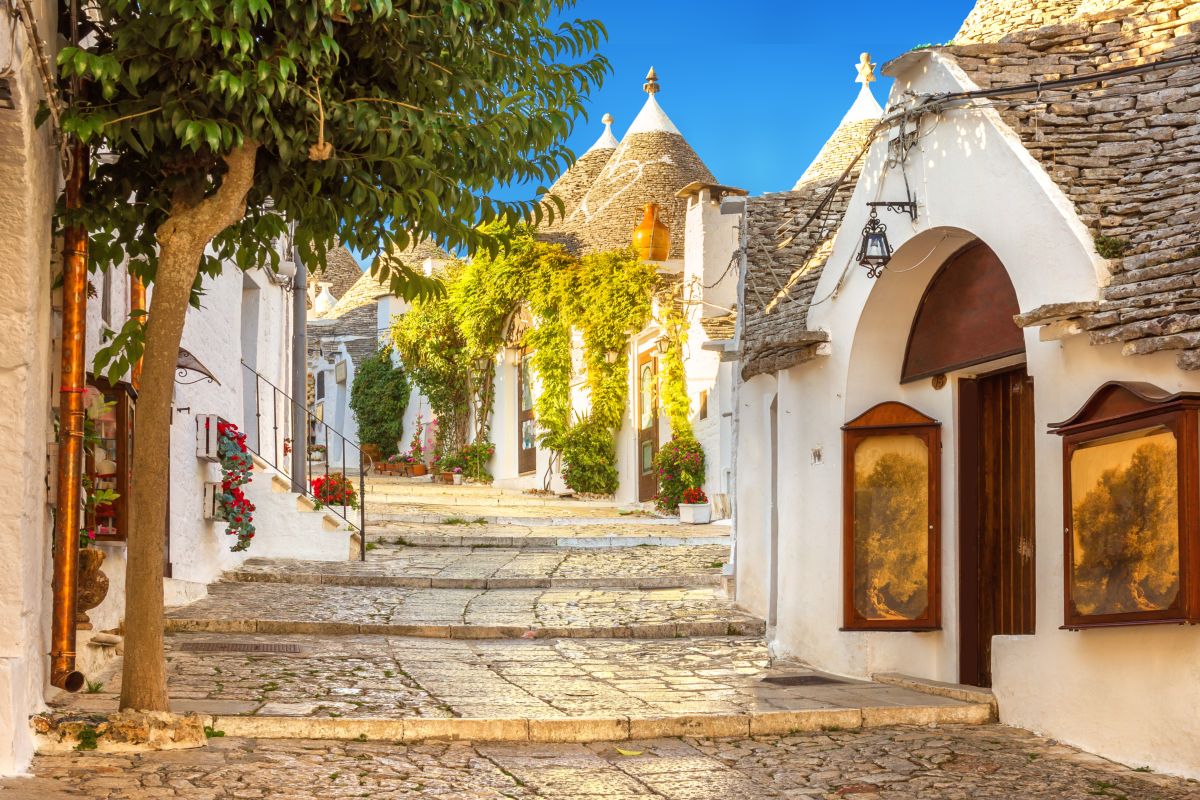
(946, 763)
(377, 677)
(591, 535)
(324, 608)
(481, 567)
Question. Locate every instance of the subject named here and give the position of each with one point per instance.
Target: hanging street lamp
(876, 251)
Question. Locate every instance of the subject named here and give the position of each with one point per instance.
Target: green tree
(378, 398)
(367, 121)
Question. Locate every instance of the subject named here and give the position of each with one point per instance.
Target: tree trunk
(192, 224)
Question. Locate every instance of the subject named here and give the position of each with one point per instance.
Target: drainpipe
(299, 374)
(137, 302)
(70, 450)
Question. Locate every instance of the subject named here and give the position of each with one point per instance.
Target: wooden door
(647, 419)
(996, 517)
(526, 424)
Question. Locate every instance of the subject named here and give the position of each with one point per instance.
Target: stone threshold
(701, 580)
(953, 691)
(548, 542)
(602, 729)
(666, 630)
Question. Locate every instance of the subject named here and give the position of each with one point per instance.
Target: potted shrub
(416, 450)
(694, 508)
(680, 466)
(333, 490)
(458, 475)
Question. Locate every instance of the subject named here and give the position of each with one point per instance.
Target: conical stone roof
(341, 270)
(840, 150)
(573, 184)
(652, 162)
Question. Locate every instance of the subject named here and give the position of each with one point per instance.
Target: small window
(1130, 520)
(704, 404)
(891, 535)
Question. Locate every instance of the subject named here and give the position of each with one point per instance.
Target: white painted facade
(28, 170)
(1126, 693)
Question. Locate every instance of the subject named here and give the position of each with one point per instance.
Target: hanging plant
(237, 468)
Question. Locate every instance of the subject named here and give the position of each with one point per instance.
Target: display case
(108, 457)
(891, 490)
(1132, 554)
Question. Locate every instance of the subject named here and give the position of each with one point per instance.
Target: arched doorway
(964, 325)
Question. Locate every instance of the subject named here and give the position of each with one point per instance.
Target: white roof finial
(606, 141)
(651, 85)
(866, 70)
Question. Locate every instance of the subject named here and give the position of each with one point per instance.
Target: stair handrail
(316, 430)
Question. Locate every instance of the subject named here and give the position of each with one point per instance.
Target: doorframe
(646, 356)
(522, 467)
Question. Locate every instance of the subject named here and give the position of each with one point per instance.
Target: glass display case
(107, 458)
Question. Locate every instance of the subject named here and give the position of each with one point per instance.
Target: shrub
(589, 458)
(378, 398)
(680, 467)
(334, 489)
(474, 459)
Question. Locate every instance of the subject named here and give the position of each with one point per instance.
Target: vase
(695, 513)
(418, 470)
(92, 586)
(652, 238)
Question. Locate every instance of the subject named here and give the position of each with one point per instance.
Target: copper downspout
(137, 302)
(70, 450)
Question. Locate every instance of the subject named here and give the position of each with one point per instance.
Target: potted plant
(416, 450)
(333, 490)
(458, 475)
(694, 508)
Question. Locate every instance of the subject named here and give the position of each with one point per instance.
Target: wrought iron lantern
(876, 251)
(662, 345)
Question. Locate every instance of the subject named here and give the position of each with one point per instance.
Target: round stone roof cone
(652, 237)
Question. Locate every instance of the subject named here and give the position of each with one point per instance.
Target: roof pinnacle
(866, 70)
(651, 86)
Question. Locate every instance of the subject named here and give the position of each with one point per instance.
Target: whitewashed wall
(27, 192)
(1126, 693)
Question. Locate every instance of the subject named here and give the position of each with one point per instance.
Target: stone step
(486, 515)
(502, 568)
(464, 613)
(402, 689)
(573, 535)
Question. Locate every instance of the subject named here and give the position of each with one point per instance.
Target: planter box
(211, 509)
(207, 436)
(695, 513)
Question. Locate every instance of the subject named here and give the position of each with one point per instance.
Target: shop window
(107, 458)
(892, 486)
(1130, 516)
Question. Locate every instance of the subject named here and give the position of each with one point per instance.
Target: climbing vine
(449, 345)
(672, 319)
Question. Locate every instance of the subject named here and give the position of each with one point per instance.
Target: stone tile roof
(992, 20)
(720, 326)
(785, 257)
(341, 269)
(652, 163)
(1126, 153)
(573, 184)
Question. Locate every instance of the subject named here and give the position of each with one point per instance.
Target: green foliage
(680, 466)
(1110, 246)
(676, 402)
(590, 457)
(88, 738)
(373, 124)
(378, 398)
(212, 733)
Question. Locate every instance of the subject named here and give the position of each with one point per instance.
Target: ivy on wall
(675, 400)
(449, 345)
(378, 398)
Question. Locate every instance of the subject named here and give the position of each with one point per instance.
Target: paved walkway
(594, 534)
(504, 568)
(945, 763)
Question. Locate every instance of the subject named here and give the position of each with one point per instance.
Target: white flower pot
(457, 479)
(695, 513)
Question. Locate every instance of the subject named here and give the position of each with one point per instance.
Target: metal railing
(270, 412)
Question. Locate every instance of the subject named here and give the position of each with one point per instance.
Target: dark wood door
(996, 517)
(647, 419)
(526, 424)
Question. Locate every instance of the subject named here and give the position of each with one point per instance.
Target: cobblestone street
(945, 763)
(543, 669)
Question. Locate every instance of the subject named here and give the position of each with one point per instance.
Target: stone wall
(1127, 153)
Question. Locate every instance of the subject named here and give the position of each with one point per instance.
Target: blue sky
(755, 86)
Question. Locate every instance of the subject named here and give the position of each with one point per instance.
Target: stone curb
(703, 580)
(533, 522)
(953, 691)
(668, 630)
(549, 542)
(602, 729)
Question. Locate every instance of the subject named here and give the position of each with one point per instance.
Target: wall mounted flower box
(212, 505)
(207, 435)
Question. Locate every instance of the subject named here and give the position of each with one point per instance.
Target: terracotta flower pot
(418, 470)
(93, 585)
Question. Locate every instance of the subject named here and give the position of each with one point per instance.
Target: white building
(604, 194)
(908, 500)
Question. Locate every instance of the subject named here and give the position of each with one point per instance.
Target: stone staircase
(552, 620)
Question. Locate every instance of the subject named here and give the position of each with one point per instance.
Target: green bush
(378, 398)
(680, 466)
(590, 458)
